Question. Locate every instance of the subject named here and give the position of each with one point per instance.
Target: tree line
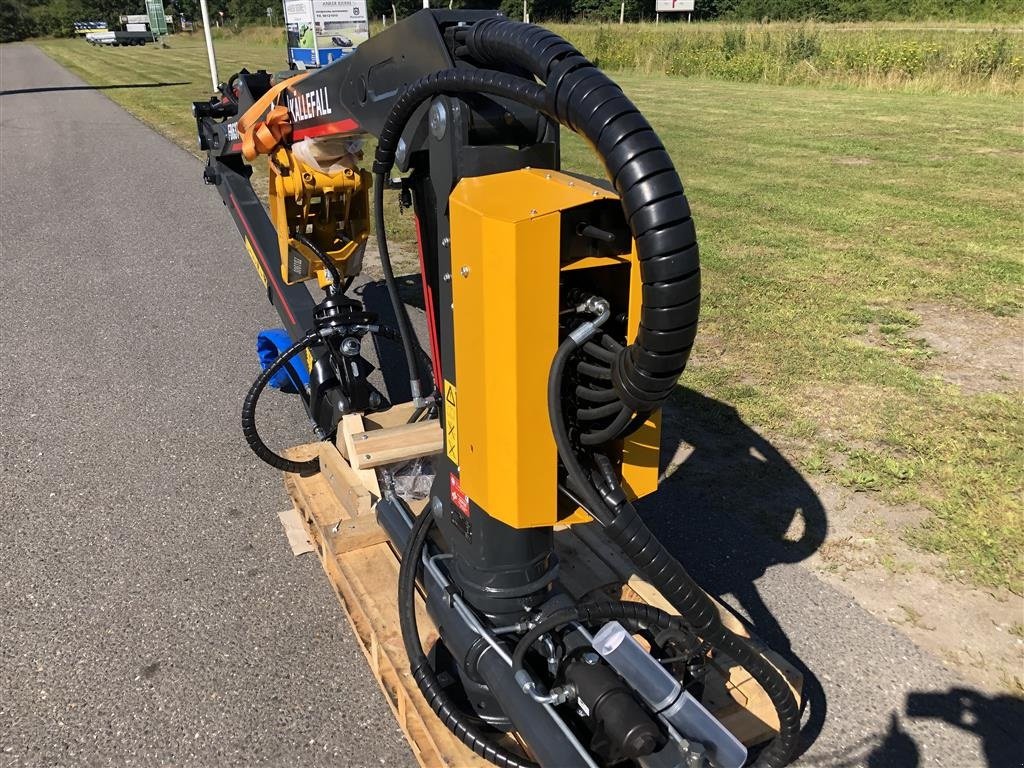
(20, 19)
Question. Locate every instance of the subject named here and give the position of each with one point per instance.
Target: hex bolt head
(446, 241)
(350, 346)
(438, 120)
(464, 271)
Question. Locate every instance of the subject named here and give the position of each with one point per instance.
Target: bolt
(438, 120)
(572, 183)
(350, 346)
(596, 193)
(464, 271)
(547, 175)
(367, 457)
(447, 276)
(589, 657)
(533, 211)
(446, 241)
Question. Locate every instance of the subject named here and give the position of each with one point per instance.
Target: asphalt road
(151, 611)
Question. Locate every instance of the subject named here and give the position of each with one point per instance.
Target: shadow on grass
(59, 88)
(733, 508)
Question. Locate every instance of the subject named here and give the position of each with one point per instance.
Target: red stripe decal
(348, 125)
(263, 260)
(428, 302)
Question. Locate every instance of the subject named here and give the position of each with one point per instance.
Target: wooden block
(394, 445)
(353, 424)
(395, 416)
(350, 535)
(344, 481)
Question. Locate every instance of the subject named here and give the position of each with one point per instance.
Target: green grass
(822, 213)
(964, 59)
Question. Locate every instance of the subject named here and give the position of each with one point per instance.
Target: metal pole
(622, 13)
(316, 43)
(426, 4)
(209, 44)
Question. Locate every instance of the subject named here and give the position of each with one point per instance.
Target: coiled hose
(586, 100)
(252, 435)
(624, 526)
(426, 680)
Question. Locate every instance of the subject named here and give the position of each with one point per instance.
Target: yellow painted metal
(330, 210)
(505, 235)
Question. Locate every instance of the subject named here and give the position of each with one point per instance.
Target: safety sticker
(459, 497)
(255, 262)
(451, 423)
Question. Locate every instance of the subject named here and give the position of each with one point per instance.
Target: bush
(873, 56)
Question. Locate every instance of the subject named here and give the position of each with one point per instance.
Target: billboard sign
(157, 17)
(670, 6)
(322, 31)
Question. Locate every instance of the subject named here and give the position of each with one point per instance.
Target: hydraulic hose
(633, 536)
(584, 99)
(252, 435)
(452, 82)
(464, 729)
(625, 527)
(634, 614)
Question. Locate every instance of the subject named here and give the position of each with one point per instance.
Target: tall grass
(882, 57)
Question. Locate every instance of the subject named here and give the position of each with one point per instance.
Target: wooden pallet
(337, 507)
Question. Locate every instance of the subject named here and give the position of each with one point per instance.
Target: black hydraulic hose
(462, 726)
(625, 527)
(587, 101)
(667, 574)
(635, 614)
(595, 395)
(610, 432)
(326, 260)
(448, 81)
(599, 412)
(604, 355)
(401, 314)
(252, 435)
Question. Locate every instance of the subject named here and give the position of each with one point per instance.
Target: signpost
(204, 8)
(673, 6)
(322, 31)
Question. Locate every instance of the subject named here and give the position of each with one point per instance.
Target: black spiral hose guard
(586, 100)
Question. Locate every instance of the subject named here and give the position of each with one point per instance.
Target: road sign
(669, 6)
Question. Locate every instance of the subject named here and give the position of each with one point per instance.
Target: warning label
(451, 423)
(255, 262)
(459, 497)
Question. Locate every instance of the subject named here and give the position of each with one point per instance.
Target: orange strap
(262, 133)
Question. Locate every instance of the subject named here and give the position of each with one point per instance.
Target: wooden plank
(363, 572)
(351, 424)
(394, 445)
(394, 416)
(344, 481)
(350, 535)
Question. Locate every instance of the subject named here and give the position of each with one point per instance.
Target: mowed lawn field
(862, 274)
